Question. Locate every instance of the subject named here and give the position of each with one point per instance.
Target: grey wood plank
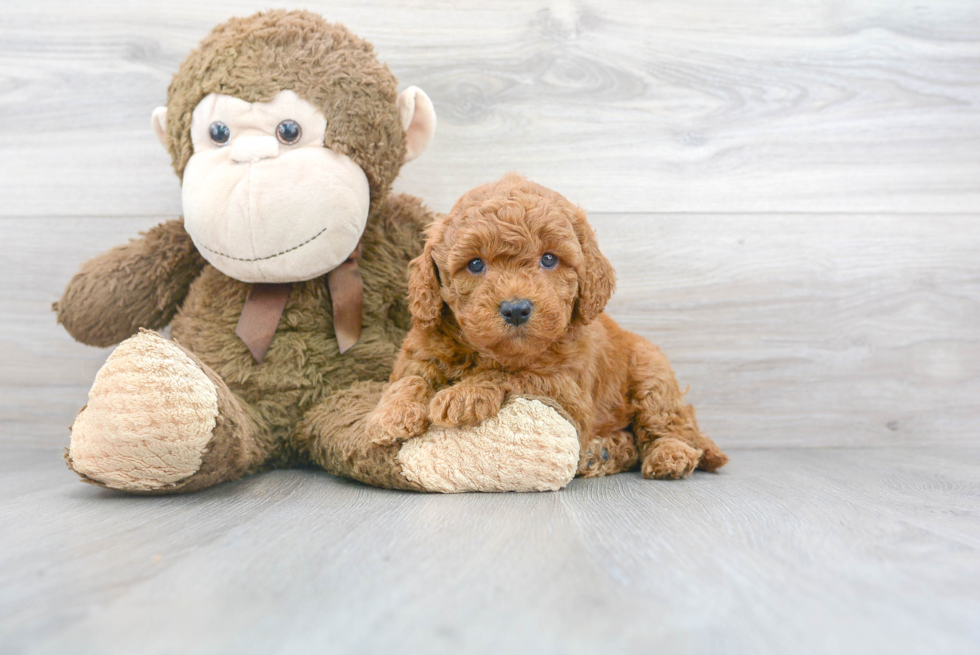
(813, 330)
(803, 551)
(867, 106)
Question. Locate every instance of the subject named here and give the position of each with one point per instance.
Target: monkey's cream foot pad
(149, 417)
(528, 446)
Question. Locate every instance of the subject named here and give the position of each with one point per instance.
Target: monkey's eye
(548, 260)
(475, 265)
(219, 133)
(288, 132)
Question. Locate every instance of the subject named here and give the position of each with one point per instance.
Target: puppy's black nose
(516, 312)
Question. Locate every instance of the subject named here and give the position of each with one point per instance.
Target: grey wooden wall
(789, 190)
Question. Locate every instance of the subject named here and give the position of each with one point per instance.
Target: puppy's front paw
(465, 404)
(670, 459)
(394, 422)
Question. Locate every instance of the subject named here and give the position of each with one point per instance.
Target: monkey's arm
(404, 219)
(140, 284)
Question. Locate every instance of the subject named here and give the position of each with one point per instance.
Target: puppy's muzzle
(516, 312)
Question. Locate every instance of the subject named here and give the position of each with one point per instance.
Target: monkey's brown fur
(305, 403)
(255, 58)
(461, 358)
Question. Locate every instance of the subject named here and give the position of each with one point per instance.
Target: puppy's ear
(597, 279)
(424, 299)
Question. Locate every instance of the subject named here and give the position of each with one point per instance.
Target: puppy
(507, 298)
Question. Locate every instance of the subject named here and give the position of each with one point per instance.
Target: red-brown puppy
(507, 298)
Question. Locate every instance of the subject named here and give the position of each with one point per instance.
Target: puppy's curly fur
(463, 356)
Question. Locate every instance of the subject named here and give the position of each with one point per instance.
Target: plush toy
(285, 284)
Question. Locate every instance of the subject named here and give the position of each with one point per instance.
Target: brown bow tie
(266, 302)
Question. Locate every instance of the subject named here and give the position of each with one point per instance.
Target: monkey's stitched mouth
(259, 259)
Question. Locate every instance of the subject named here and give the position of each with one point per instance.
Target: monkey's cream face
(264, 200)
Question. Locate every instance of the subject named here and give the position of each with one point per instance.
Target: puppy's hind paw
(608, 454)
(670, 459)
(713, 458)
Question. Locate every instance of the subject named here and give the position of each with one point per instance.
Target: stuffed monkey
(285, 286)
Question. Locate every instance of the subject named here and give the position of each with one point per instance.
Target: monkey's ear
(424, 299)
(597, 280)
(418, 120)
(159, 123)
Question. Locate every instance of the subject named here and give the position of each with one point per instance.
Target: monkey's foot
(527, 446)
(151, 417)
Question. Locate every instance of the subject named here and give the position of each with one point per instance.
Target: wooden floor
(790, 193)
(785, 551)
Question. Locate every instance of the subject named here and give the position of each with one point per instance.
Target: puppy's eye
(219, 133)
(288, 132)
(548, 260)
(475, 265)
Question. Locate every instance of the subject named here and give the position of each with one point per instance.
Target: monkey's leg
(529, 446)
(670, 442)
(335, 434)
(159, 420)
(606, 454)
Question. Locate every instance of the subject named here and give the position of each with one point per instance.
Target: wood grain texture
(789, 192)
(713, 106)
(821, 551)
(803, 330)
